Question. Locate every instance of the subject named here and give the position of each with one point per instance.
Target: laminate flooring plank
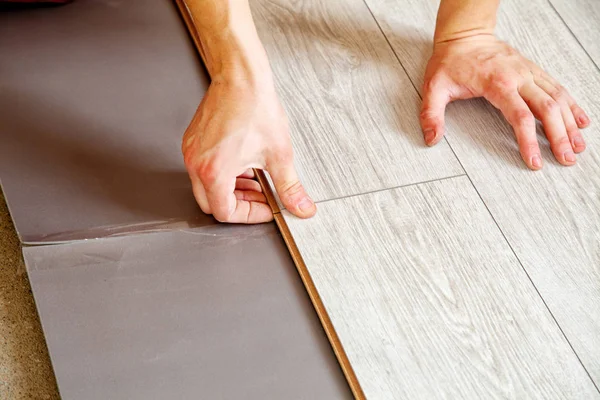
(94, 99)
(583, 19)
(353, 112)
(549, 217)
(429, 301)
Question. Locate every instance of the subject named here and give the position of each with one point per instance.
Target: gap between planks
(293, 249)
(310, 287)
(410, 78)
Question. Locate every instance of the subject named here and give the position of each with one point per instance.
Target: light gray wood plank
(583, 18)
(353, 111)
(429, 301)
(550, 217)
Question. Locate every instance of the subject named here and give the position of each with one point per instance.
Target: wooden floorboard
(550, 217)
(583, 19)
(353, 111)
(429, 301)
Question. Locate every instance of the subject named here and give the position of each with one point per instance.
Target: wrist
(460, 19)
(450, 35)
(241, 64)
(229, 43)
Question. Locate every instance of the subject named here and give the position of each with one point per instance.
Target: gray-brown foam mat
(94, 99)
(217, 313)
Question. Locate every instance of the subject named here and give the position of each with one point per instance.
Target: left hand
(484, 66)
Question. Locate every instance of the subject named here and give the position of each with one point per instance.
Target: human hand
(237, 127)
(484, 66)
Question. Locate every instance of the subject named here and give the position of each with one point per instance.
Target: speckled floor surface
(25, 370)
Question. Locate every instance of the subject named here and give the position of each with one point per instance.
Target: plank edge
(309, 285)
(311, 289)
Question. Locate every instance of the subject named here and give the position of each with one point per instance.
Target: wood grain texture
(550, 217)
(429, 301)
(583, 19)
(317, 303)
(353, 112)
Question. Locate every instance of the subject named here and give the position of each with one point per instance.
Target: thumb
(435, 99)
(290, 190)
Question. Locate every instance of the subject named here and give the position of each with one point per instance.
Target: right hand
(238, 127)
(480, 65)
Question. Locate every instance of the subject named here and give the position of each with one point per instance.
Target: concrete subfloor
(25, 369)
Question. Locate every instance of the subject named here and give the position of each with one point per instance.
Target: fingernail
(578, 142)
(429, 135)
(583, 120)
(536, 161)
(570, 156)
(305, 204)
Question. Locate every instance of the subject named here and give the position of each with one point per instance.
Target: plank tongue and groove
(94, 99)
(211, 313)
(583, 19)
(429, 301)
(353, 112)
(550, 217)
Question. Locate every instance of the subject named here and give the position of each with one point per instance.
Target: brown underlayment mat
(25, 369)
(113, 90)
(289, 241)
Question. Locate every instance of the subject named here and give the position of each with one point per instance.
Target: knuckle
(282, 152)
(576, 111)
(291, 189)
(207, 171)
(549, 106)
(189, 158)
(523, 115)
(504, 82)
(524, 119)
(573, 131)
(561, 142)
(427, 114)
(529, 147)
(433, 83)
(221, 216)
(525, 71)
(205, 209)
(558, 93)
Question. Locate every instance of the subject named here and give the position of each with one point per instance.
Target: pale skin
(240, 124)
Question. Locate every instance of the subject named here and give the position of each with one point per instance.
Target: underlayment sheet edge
(293, 249)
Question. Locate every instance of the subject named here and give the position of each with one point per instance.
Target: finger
(288, 186)
(200, 194)
(249, 210)
(218, 185)
(247, 184)
(583, 121)
(249, 173)
(560, 95)
(581, 118)
(548, 111)
(518, 115)
(235, 206)
(435, 98)
(249, 195)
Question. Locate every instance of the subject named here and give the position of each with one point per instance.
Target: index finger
(237, 206)
(220, 197)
